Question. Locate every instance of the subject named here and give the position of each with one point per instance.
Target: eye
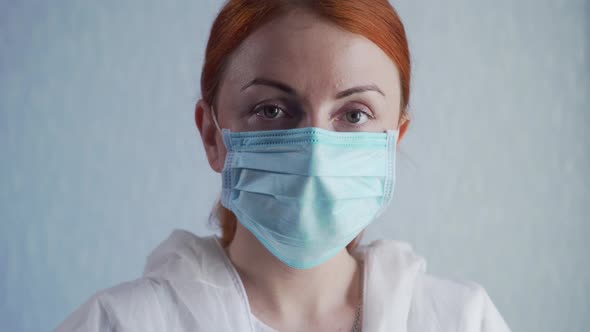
(269, 112)
(356, 117)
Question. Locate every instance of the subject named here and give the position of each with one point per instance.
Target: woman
(303, 104)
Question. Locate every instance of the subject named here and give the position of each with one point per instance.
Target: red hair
(374, 19)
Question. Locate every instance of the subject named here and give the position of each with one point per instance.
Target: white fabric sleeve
(492, 321)
(453, 305)
(480, 313)
(92, 316)
(127, 307)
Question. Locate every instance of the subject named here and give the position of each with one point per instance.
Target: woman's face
(302, 71)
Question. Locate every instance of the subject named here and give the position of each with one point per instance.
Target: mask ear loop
(214, 116)
(226, 182)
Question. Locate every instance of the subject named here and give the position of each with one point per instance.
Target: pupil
(354, 117)
(271, 112)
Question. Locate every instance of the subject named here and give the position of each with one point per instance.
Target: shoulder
(456, 305)
(137, 305)
(181, 274)
(431, 303)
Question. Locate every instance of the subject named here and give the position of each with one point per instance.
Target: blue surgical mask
(306, 193)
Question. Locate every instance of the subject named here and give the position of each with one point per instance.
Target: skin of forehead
(312, 55)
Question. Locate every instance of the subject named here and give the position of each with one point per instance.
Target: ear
(403, 127)
(212, 140)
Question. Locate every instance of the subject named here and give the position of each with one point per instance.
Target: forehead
(312, 54)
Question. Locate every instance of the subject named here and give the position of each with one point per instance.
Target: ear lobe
(403, 128)
(208, 131)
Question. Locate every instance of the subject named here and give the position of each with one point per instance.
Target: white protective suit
(189, 284)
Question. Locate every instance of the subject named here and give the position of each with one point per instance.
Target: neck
(275, 289)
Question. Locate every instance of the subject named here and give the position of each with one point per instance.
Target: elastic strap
(214, 116)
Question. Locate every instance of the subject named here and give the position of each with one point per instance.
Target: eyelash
(356, 108)
(257, 109)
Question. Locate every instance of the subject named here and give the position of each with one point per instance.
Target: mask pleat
(306, 193)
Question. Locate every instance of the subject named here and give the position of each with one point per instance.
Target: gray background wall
(101, 160)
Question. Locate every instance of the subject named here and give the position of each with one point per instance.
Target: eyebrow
(286, 88)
